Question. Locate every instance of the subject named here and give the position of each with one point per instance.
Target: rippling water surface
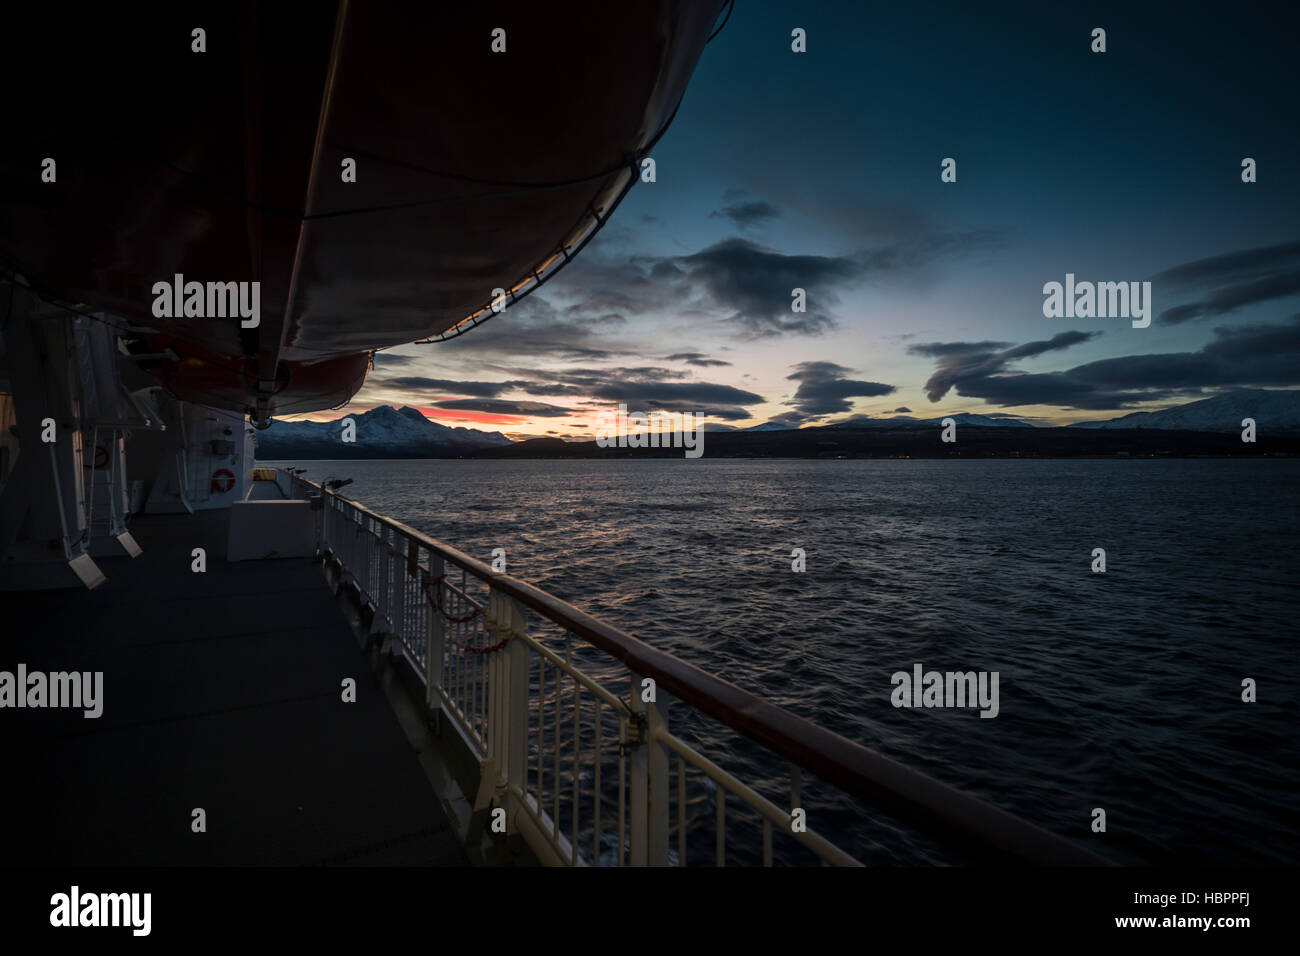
(1119, 691)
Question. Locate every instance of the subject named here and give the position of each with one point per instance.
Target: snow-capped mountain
(905, 421)
(898, 421)
(1273, 410)
(382, 432)
(761, 427)
(970, 418)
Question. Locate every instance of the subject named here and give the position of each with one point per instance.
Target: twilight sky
(822, 170)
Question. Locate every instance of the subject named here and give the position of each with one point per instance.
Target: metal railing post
(657, 760)
(435, 634)
(496, 624)
(322, 519)
(638, 824)
(517, 721)
(648, 773)
(508, 684)
(411, 576)
(383, 593)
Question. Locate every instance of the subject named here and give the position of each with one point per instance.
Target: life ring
(223, 480)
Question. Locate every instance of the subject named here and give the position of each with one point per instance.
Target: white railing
(568, 720)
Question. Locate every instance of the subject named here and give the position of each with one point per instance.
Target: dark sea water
(1120, 691)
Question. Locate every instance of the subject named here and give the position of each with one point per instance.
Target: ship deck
(222, 691)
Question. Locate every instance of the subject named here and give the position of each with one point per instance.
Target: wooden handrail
(938, 810)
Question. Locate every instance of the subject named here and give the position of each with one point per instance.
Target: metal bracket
(637, 733)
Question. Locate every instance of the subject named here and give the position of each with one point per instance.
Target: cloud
(589, 377)
(753, 284)
(1234, 297)
(823, 389)
(1061, 340)
(1237, 279)
(902, 410)
(643, 387)
(961, 363)
(704, 398)
(659, 393)
(502, 407)
(536, 326)
(789, 418)
(732, 413)
(747, 214)
(419, 383)
(695, 358)
(1233, 266)
(1238, 357)
(588, 311)
(392, 358)
(582, 318)
(550, 391)
(756, 283)
(857, 420)
(943, 349)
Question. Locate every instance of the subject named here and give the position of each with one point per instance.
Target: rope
(435, 602)
(498, 646)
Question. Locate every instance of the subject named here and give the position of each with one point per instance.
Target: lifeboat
(385, 172)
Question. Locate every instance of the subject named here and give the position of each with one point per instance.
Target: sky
(821, 170)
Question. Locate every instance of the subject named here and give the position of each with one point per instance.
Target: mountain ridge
(405, 432)
(1272, 409)
(381, 432)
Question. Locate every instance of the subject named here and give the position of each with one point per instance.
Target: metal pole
(433, 652)
(638, 777)
(657, 759)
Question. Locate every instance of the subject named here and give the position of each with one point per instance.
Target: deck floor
(222, 690)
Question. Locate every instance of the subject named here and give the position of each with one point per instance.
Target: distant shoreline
(812, 444)
(263, 462)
